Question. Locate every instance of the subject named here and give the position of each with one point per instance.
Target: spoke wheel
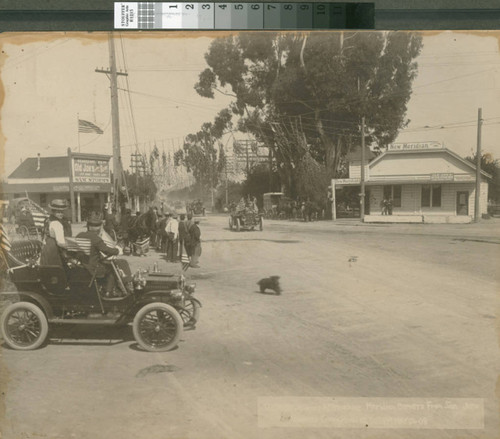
(190, 313)
(261, 226)
(24, 326)
(238, 225)
(157, 327)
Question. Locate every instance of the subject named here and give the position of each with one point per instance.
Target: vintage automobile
(245, 219)
(158, 305)
(196, 208)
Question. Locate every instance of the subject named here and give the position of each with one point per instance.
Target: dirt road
(366, 312)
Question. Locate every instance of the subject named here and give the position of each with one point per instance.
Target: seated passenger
(54, 234)
(93, 261)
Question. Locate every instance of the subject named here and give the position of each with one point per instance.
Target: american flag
(141, 246)
(4, 239)
(84, 126)
(108, 240)
(185, 261)
(78, 245)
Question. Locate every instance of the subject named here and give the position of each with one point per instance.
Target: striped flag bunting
(78, 245)
(108, 240)
(39, 218)
(141, 246)
(185, 260)
(84, 126)
(4, 239)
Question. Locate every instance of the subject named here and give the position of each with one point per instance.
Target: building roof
(50, 167)
(432, 151)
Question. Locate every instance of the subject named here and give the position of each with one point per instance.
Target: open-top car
(158, 305)
(196, 208)
(245, 219)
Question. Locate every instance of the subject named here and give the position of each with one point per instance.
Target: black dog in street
(270, 283)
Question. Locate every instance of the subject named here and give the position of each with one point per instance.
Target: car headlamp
(191, 287)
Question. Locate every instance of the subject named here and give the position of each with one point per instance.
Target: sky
(49, 81)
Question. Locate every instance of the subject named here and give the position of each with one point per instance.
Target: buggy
(29, 222)
(157, 305)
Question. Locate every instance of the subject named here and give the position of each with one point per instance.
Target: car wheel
(190, 314)
(237, 224)
(24, 326)
(261, 225)
(157, 327)
(230, 223)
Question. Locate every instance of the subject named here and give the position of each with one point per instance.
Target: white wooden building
(425, 181)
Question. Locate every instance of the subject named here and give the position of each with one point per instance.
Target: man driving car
(97, 246)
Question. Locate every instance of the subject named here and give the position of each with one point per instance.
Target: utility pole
(362, 194)
(270, 169)
(112, 74)
(477, 208)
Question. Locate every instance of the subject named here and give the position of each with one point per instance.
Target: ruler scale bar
(243, 15)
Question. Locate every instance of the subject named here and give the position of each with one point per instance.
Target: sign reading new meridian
(87, 170)
(414, 146)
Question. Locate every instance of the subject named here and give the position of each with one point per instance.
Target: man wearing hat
(93, 261)
(54, 234)
(195, 238)
(172, 230)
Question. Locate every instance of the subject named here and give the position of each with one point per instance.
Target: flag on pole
(84, 126)
(4, 239)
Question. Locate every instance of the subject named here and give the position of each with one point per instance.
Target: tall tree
(202, 154)
(492, 167)
(316, 87)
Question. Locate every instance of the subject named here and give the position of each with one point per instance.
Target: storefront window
(426, 195)
(436, 195)
(431, 195)
(394, 193)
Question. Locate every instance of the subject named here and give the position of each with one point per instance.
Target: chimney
(38, 162)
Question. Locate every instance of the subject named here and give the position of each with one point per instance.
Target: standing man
(195, 235)
(183, 234)
(172, 230)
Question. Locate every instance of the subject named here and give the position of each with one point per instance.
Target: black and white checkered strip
(146, 15)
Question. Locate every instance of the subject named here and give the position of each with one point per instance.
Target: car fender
(35, 298)
(146, 298)
(195, 300)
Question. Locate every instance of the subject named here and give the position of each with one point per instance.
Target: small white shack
(425, 182)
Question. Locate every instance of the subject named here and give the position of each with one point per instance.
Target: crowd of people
(178, 236)
(169, 233)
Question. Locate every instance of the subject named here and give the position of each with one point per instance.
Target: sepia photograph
(250, 235)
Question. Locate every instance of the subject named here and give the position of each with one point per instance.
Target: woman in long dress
(54, 240)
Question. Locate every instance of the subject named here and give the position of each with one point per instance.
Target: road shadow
(476, 240)
(86, 335)
(136, 347)
(267, 293)
(277, 241)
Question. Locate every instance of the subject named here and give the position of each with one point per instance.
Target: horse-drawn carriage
(29, 218)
